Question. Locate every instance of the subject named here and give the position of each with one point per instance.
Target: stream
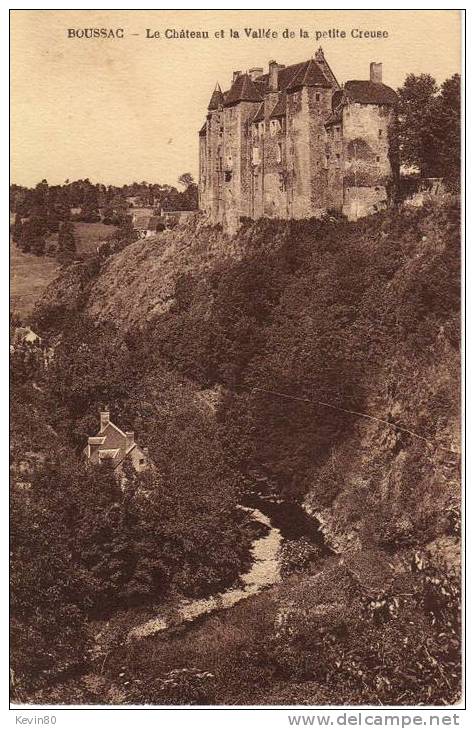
(285, 521)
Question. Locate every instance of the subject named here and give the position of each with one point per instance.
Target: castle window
(337, 159)
(256, 157)
(317, 96)
(228, 176)
(262, 128)
(282, 182)
(279, 152)
(326, 161)
(380, 132)
(378, 159)
(274, 127)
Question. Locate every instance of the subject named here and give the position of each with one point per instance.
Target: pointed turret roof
(242, 90)
(309, 74)
(217, 99)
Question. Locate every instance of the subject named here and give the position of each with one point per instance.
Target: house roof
(109, 443)
(279, 108)
(243, 89)
(369, 92)
(25, 334)
(217, 99)
(202, 131)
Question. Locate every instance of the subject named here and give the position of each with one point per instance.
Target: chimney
(236, 75)
(129, 439)
(255, 72)
(104, 414)
(376, 73)
(273, 75)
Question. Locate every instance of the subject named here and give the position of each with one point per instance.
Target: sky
(124, 110)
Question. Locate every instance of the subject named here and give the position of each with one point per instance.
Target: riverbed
(283, 521)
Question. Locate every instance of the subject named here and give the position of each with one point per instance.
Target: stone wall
(298, 154)
(367, 166)
(214, 148)
(319, 105)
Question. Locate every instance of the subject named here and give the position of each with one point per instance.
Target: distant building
(26, 334)
(293, 143)
(140, 221)
(111, 442)
(155, 225)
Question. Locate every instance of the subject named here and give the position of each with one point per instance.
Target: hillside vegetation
(321, 357)
(363, 317)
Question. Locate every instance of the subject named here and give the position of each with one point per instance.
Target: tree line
(49, 210)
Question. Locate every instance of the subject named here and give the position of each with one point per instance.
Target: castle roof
(202, 131)
(309, 74)
(243, 89)
(335, 118)
(259, 115)
(370, 92)
(217, 99)
(279, 108)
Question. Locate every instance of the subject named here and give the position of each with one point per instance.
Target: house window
(228, 175)
(279, 152)
(282, 182)
(262, 128)
(337, 159)
(256, 157)
(141, 461)
(327, 159)
(317, 96)
(380, 132)
(378, 159)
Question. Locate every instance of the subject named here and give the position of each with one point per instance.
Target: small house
(111, 442)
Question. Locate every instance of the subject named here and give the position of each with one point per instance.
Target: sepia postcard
(235, 361)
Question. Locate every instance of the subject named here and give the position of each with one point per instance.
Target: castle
(293, 143)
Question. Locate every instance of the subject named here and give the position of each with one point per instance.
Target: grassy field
(90, 234)
(29, 276)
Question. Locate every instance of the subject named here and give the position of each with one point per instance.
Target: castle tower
(240, 105)
(212, 184)
(309, 97)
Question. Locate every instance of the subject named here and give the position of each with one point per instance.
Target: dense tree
(429, 126)
(66, 237)
(33, 234)
(17, 229)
